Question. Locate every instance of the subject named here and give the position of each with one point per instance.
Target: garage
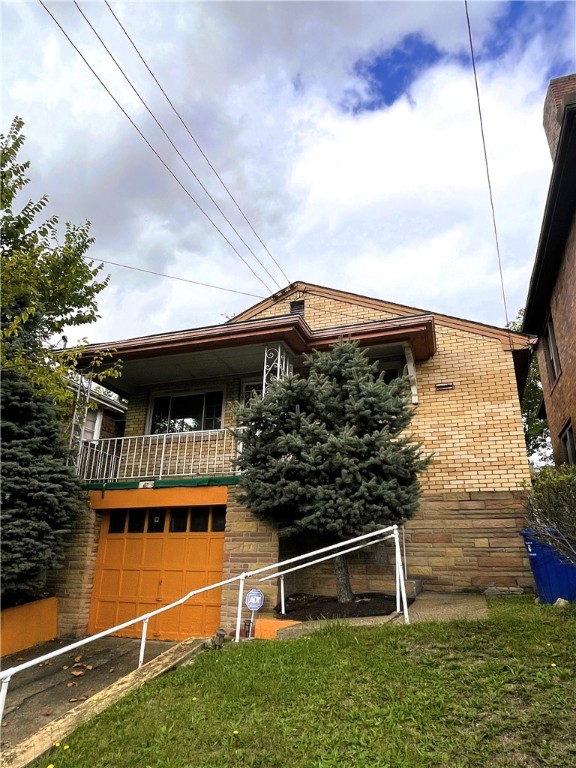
(150, 557)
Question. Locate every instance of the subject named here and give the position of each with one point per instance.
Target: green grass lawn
(499, 692)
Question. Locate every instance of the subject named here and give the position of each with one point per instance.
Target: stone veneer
(249, 544)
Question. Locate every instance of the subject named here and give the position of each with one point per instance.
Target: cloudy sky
(346, 132)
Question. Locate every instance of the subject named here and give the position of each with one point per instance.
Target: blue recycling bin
(553, 575)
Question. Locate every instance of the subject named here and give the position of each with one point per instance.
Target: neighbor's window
(186, 413)
(568, 444)
(551, 352)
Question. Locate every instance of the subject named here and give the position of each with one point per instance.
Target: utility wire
(180, 155)
(170, 171)
(187, 129)
(486, 163)
(172, 277)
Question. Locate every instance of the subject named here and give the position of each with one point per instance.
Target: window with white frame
(186, 412)
(251, 389)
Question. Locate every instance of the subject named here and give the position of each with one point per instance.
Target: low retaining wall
(26, 625)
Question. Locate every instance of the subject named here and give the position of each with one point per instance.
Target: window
(201, 519)
(551, 352)
(568, 444)
(251, 389)
(186, 413)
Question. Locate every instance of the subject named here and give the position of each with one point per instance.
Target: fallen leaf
(78, 658)
(65, 666)
(77, 672)
(78, 664)
(71, 685)
(47, 712)
(112, 669)
(88, 666)
(71, 701)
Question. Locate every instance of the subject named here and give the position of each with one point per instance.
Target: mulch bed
(304, 607)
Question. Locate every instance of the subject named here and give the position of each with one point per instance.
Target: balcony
(154, 457)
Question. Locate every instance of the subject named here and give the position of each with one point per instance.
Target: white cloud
(398, 194)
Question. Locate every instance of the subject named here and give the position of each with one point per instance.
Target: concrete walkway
(428, 606)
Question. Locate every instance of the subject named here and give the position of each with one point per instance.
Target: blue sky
(347, 131)
(390, 73)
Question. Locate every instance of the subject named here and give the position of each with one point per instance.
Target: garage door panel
(153, 550)
(110, 581)
(113, 552)
(139, 572)
(133, 551)
(172, 586)
(175, 550)
(150, 583)
(216, 553)
(129, 583)
(212, 619)
(197, 552)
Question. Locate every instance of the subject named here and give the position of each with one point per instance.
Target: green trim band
(184, 482)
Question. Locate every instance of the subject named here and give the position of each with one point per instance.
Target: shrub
(551, 510)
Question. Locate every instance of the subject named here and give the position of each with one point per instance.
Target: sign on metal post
(254, 601)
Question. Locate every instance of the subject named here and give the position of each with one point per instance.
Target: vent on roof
(297, 307)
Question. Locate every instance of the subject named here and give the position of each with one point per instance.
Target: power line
(170, 171)
(173, 277)
(486, 163)
(180, 155)
(187, 129)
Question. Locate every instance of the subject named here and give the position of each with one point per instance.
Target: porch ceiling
(238, 349)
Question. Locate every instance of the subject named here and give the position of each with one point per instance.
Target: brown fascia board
(291, 329)
(510, 339)
(557, 220)
(418, 331)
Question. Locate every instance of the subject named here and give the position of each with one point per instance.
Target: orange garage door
(148, 558)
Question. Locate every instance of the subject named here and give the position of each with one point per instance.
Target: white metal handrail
(335, 550)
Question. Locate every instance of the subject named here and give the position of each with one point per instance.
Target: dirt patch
(304, 607)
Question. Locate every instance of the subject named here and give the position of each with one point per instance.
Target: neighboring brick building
(551, 304)
(164, 496)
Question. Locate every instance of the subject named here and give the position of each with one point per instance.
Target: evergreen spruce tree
(41, 496)
(327, 454)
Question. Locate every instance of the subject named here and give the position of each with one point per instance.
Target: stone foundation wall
(72, 584)
(457, 542)
(249, 544)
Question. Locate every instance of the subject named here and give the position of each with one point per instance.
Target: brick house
(551, 304)
(163, 516)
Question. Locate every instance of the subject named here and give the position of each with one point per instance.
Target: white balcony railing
(180, 454)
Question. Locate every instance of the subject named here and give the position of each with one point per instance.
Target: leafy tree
(47, 286)
(327, 454)
(536, 432)
(551, 510)
(41, 496)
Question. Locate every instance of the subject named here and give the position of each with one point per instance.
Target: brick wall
(249, 544)
(561, 398)
(557, 91)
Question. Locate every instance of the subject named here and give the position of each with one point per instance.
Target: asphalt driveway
(38, 695)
